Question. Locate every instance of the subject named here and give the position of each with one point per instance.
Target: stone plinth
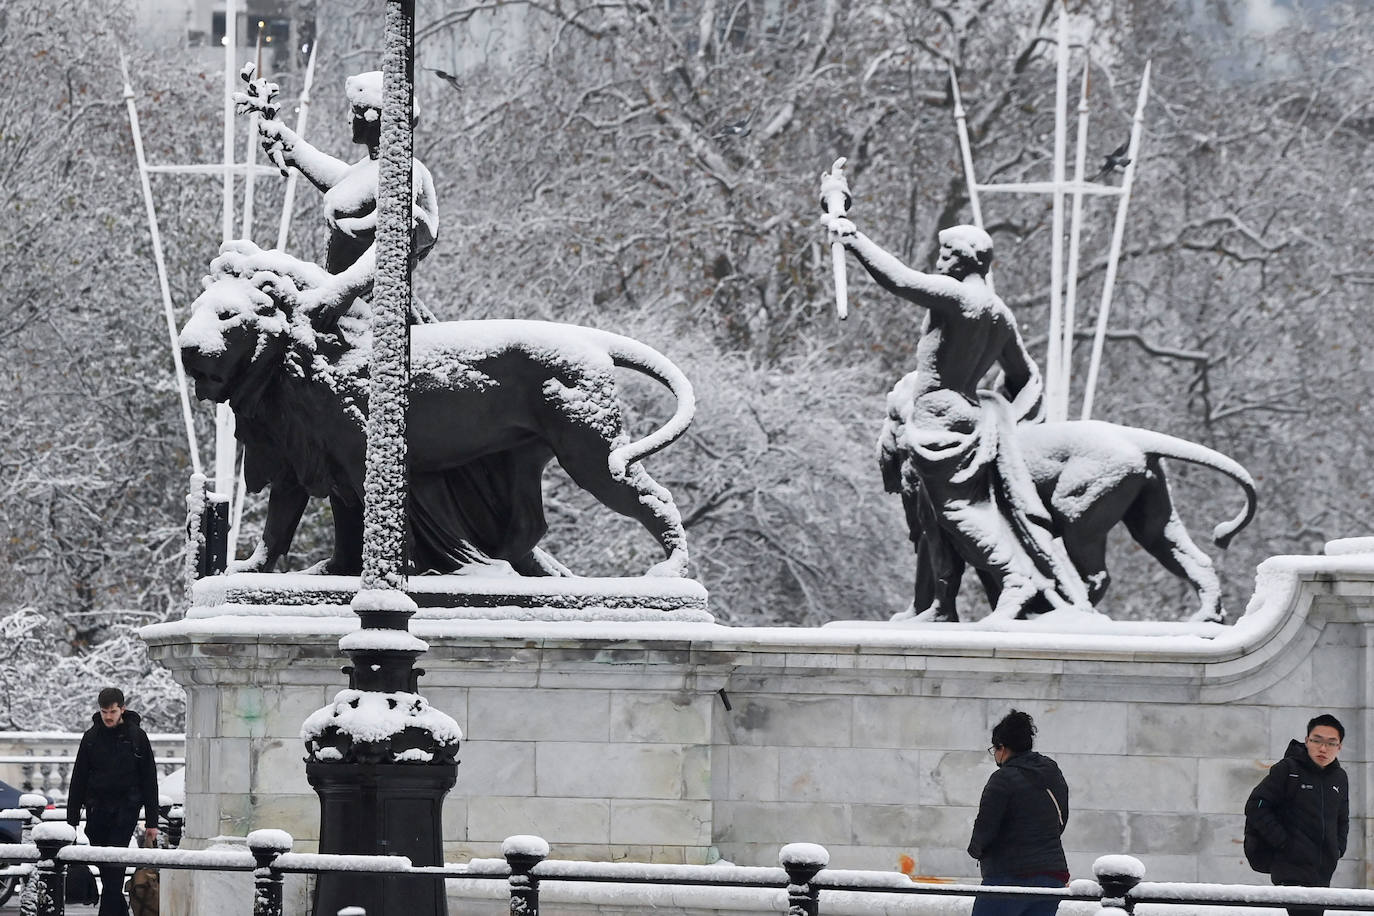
(685, 742)
(652, 600)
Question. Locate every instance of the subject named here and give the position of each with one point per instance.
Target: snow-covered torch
(260, 97)
(835, 201)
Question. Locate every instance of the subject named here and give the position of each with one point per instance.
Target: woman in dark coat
(1021, 816)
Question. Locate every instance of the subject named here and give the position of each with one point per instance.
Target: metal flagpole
(1087, 189)
(303, 109)
(960, 122)
(219, 171)
(251, 155)
(225, 449)
(965, 152)
(1056, 403)
(250, 171)
(1137, 126)
(1075, 234)
(230, 52)
(186, 414)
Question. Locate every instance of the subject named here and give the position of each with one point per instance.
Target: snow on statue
(526, 391)
(288, 344)
(985, 483)
(350, 191)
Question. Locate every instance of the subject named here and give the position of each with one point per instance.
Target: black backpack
(81, 887)
(1258, 853)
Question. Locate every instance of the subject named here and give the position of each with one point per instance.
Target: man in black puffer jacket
(114, 777)
(1023, 811)
(1302, 809)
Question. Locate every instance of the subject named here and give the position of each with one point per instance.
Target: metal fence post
(35, 804)
(522, 854)
(50, 873)
(802, 862)
(176, 824)
(266, 845)
(1117, 876)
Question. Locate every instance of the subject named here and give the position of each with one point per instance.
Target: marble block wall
(693, 742)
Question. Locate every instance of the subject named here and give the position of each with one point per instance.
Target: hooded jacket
(114, 768)
(1023, 812)
(1306, 821)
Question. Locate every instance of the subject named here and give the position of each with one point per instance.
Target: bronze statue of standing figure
(985, 483)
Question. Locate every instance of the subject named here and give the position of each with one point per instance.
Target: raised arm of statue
(931, 291)
(320, 169)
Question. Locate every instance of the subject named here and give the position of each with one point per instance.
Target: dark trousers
(1017, 906)
(112, 825)
(1305, 911)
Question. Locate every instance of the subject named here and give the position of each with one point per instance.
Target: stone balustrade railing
(42, 761)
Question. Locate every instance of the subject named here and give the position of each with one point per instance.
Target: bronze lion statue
(490, 404)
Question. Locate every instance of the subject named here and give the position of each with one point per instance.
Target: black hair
(110, 696)
(1329, 721)
(1016, 732)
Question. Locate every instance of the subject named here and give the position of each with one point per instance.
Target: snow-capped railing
(42, 761)
(803, 876)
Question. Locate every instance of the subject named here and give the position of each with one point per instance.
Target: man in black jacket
(114, 777)
(1302, 809)
(1021, 816)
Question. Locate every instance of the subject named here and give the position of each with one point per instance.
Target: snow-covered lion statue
(490, 404)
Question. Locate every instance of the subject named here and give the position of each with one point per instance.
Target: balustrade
(42, 761)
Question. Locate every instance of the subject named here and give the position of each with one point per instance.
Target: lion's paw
(674, 566)
(254, 562)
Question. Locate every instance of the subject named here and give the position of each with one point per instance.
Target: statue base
(455, 597)
(381, 809)
(686, 744)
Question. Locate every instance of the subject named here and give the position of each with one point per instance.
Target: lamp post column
(381, 791)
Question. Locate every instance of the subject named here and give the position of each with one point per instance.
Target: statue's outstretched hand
(237, 258)
(322, 302)
(278, 141)
(840, 228)
(311, 304)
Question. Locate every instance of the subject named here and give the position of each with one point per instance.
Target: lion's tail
(631, 354)
(1181, 449)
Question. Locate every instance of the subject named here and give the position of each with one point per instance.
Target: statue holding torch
(949, 448)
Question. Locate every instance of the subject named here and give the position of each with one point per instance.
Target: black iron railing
(803, 876)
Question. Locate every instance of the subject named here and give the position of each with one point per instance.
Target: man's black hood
(1297, 752)
(131, 718)
(1038, 764)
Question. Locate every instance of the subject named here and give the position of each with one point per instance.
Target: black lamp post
(380, 758)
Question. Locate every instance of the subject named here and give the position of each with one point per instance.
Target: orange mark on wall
(907, 866)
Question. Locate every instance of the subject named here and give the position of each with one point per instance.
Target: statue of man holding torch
(950, 449)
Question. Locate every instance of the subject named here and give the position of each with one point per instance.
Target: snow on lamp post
(379, 754)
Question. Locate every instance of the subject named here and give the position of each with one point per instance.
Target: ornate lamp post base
(382, 809)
